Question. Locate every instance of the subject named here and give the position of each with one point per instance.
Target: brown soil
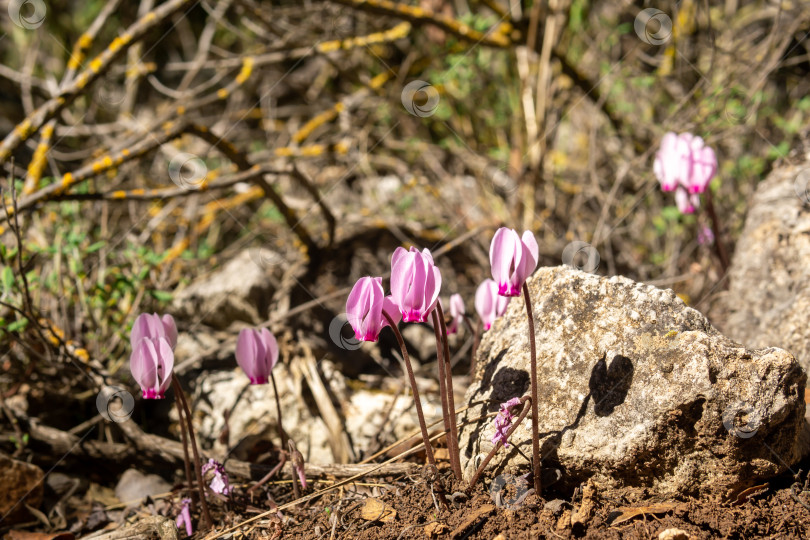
(780, 510)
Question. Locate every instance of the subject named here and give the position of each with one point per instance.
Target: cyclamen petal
(256, 354)
(152, 325)
(364, 308)
(489, 304)
(415, 283)
(151, 364)
(513, 259)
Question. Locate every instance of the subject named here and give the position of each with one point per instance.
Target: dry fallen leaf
(435, 529)
(376, 510)
(744, 495)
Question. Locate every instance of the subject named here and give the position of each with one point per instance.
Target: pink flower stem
(281, 434)
(523, 412)
(455, 459)
(186, 459)
(412, 380)
(476, 333)
(207, 521)
(719, 246)
(442, 384)
(535, 410)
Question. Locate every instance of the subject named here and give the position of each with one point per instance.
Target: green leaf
(8, 279)
(161, 296)
(92, 248)
(17, 326)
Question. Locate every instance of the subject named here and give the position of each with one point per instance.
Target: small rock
(134, 486)
(22, 484)
(674, 534)
(376, 510)
(556, 506)
(238, 291)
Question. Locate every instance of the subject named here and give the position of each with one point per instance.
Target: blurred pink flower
(364, 308)
(184, 517)
(415, 283)
(488, 303)
(513, 259)
(152, 325)
(685, 164)
(705, 236)
(457, 312)
(256, 353)
(151, 364)
(218, 477)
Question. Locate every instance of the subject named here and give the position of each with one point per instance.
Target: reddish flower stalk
(422, 426)
(719, 246)
(186, 459)
(476, 333)
(535, 410)
(442, 384)
(197, 465)
(455, 459)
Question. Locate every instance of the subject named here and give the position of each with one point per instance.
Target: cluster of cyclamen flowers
(415, 286)
(153, 339)
(685, 164)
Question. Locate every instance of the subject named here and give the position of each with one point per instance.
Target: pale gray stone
(636, 390)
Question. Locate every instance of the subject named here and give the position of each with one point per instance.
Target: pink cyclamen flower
(513, 259)
(489, 304)
(415, 283)
(686, 165)
(152, 325)
(671, 165)
(702, 164)
(503, 421)
(256, 353)
(364, 308)
(151, 363)
(217, 478)
(184, 517)
(457, 313)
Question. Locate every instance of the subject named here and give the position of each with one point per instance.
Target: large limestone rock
(769, 282)
(636, 391)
